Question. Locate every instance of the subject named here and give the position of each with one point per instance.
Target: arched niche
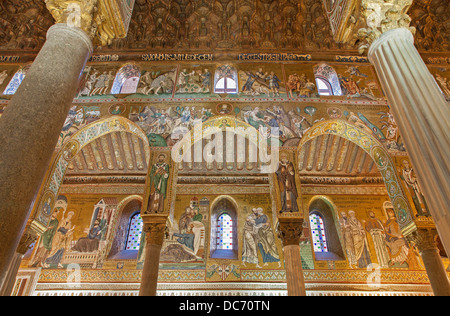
(72, 147)
(121, 223)
(326, 209)
(382, 160)
(223, 205)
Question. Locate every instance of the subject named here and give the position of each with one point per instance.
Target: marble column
(425, 240)
(423, 118)
(154, 229)
(289, 231)
(30, 127)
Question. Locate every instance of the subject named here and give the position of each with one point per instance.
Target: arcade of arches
(224, 148)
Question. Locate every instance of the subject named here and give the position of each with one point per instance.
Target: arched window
(134, 232)
(226, 85)
(127, 80)
(225, 80)
(324, 230)
(318, 233)
(323, 86)
(327, 80)
(224, 239)
(16, 80)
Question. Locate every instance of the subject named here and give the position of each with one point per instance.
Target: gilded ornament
(382, 16)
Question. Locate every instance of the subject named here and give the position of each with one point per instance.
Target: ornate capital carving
(289, 230)
(76, 13)
(382, 16)
(102, 20)
(424, 239)
(154, 228)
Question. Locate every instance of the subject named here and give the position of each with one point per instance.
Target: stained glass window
(134, 232)
(225, 232)
(318, 233)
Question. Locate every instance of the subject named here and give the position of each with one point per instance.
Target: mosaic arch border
(73, 146)
(381, 157)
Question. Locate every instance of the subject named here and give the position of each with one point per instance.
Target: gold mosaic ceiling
(220, 25)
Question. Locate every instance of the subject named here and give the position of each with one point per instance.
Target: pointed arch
(382, 160)
(72, 147)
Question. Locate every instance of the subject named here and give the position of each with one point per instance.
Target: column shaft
(423, 118)
(154, 228)
(436, 272)
(289, 231)
(30, 127)
(294, 272)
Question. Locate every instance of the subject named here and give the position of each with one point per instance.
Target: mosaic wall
(165, 101)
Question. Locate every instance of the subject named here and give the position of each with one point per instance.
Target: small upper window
(327, 80)
(225, 80)
(226, 85)
(127, 80)
(134, 232)
(324, 87)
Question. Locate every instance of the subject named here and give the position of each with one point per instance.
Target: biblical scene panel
(166, 124)
(368, 234)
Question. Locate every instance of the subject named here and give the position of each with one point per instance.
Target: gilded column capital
(381, 16)
(424, 239)
(289, 230)
(75, 13)
(154, 228)
(101, 20)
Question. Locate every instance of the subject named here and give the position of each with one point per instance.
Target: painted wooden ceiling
(220, 25)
